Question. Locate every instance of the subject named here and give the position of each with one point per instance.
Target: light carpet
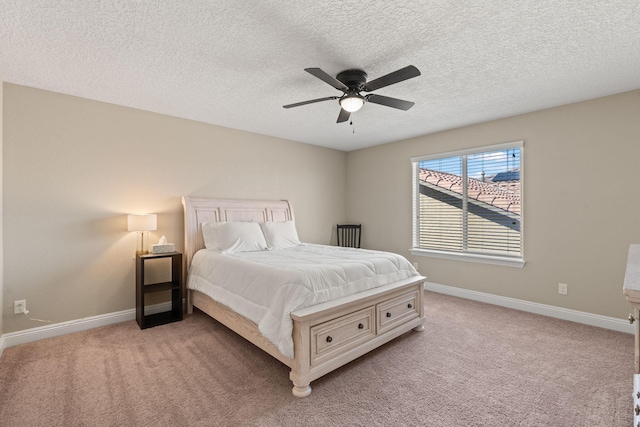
(474, 365)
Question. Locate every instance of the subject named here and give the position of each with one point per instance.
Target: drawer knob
(329, 339)
(360, 326)
(409, 305)
(631, 318)
(637, 409)
(388, 314)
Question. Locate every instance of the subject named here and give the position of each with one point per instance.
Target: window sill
(485, 259)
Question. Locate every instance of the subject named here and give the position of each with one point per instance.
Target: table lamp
(142, 224)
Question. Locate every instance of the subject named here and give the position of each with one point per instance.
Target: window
(469, 205)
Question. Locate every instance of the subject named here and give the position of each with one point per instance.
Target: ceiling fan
(352, 82)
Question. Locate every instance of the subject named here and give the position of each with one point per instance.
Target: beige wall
(73, 169)
(581, 204)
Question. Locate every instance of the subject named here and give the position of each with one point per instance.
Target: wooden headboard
(199, 210)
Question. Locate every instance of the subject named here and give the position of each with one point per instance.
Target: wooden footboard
(329, 335)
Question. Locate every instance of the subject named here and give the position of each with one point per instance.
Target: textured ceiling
(234, 63)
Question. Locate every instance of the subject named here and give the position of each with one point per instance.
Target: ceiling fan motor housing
(353, 79)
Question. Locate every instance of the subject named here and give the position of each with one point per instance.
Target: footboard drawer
(397, 311)
(341, 334)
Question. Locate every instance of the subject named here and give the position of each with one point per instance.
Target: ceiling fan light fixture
(352, 102)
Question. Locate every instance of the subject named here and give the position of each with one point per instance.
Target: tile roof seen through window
(495, 191)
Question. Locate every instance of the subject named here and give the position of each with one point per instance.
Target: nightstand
(142, 289)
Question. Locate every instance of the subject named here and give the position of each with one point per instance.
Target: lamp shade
(351, 103)
(144, 222)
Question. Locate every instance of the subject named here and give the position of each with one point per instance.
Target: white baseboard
(620, 325)
(49, 331)
(57, 329)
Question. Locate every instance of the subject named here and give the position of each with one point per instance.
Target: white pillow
(210, 234)
(240, 237)
(280, 235)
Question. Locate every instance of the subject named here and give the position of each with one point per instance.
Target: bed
(324, 335)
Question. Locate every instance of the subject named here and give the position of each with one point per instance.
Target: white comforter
(267, 286)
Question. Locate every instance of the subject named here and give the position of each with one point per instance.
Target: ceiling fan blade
(327, 78)
(343, 116)
(390, 102)
(392, 78)
(297, 104)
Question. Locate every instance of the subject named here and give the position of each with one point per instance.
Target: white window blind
(470, 202)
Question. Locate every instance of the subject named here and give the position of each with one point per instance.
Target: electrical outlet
(563, 288)
(20, 306)
(415, 265)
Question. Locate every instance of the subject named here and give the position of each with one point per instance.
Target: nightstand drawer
(341, 334)
(396, 311)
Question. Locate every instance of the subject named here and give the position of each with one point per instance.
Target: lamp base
(142, 247)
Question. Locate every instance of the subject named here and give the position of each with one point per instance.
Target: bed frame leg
(419, 328)
(189, 302)
(301, 391)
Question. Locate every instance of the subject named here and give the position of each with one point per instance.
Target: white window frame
(466, 256)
